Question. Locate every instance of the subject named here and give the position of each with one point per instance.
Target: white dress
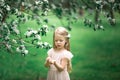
(53, 73)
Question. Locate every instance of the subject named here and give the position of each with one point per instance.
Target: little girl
(59, 57)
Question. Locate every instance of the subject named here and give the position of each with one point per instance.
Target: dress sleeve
(68, 55)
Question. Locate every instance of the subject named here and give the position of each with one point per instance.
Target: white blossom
(45, 27)
(23, 4)
(15, 22)
(114, 20)
(22, 49)
(14, 41)
(16, 11)
(19, 13)
(18, 49)
(17, 31)
(8, 46)
(37, 37)
(0, 15)
(28, 33)
(45, 43)
(45, 1)
(2, 1)
(53, 6)
(96, 26)
(40, 44)
(14, 28)
(98, 2)
(37, 2)
(8, 7)
(41, 2)
(34, 31)
(109, 18)
(45, 13)
(101, 27)
(25, 51)
(7, 38)
(5, 25)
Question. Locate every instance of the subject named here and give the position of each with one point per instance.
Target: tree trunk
(97, 13)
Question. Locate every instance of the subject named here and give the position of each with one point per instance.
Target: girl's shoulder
(50, 51)
(68, 54)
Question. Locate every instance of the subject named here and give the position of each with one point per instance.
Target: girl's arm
(62, 65)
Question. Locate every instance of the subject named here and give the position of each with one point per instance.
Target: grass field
(96, 55)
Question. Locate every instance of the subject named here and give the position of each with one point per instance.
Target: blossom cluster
(22, 49)
(45, 45)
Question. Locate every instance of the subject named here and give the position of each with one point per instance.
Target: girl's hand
(48, 59)
(52, 61)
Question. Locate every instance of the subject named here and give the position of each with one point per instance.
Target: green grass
(96, 55)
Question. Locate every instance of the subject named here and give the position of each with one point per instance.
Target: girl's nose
(58, 41)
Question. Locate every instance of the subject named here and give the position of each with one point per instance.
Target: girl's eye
(58, 40)
(61, 40)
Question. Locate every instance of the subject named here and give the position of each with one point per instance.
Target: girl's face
(59, 41)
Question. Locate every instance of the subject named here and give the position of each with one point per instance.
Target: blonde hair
(63, 32)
